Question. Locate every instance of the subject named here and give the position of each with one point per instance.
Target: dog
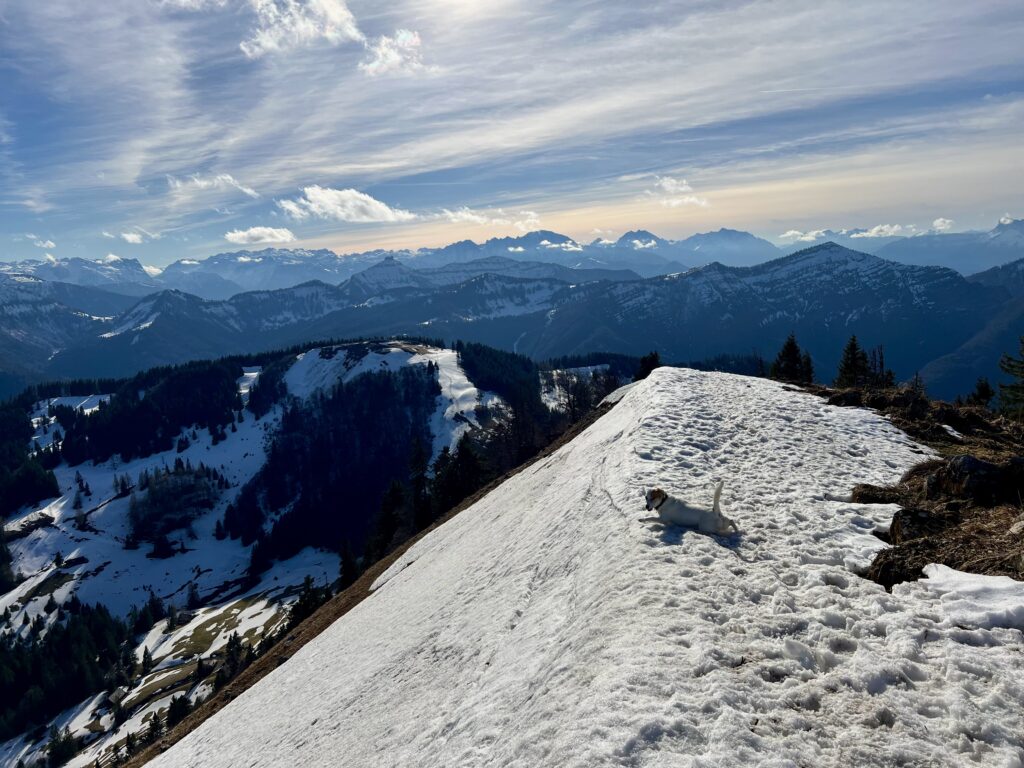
(673, 511)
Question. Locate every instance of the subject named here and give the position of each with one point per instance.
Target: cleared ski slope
(549, 626)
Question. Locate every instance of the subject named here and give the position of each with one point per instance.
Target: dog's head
(654, 498)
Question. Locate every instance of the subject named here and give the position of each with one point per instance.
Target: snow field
(549, 625)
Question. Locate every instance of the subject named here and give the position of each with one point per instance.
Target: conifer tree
(1011, 396)
(808, 367)
(7, 580)
(792, 364)
(648, 363)
(388, 519)
(854, 366)
(982, 394)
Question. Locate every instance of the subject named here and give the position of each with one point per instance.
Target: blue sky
(162, 130)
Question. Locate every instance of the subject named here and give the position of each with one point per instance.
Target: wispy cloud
(942, 224)
(672, 192)
(186, 187)
(39, 243)
(256, 235)
(547, 102)
(348, 205)
(401, 53)
(131, 237)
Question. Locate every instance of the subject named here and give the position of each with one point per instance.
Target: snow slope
(549, 625)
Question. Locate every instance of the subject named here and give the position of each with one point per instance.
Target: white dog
(672, 511)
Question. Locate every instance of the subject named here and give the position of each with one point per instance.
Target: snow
(249, 376)
(975, 600)
(548, 624)
(320, 369)
(456, 406)
(953, 433)
(553, 392)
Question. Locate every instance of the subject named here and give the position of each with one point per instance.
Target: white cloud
(466, 215)
(193, 5)
(942, 225)
(804, 237)
(131, 237)
(255, 235)
(677, 202)
(674, 193)
(400, 53)
(109, 234)
(1006, 219)
(185, 187)
(110, 258)
(286, 24)
(342, 205)
(44, 244)
(880, 230)
(151, 270)
(529, 221)
(673, 186)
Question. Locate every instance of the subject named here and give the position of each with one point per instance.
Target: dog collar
(658, 505)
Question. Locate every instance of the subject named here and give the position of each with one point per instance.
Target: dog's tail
(717, 505)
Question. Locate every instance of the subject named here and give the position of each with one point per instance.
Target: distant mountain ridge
(640, 252)
(823, 294)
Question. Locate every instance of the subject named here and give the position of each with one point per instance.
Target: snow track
(547, 625)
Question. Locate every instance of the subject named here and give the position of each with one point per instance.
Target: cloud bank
(257, 235)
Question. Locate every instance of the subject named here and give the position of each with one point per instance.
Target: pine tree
(854, 366)
(982, 394)
(178, 710)
(348, 568)
(386, 524)
(147, 661)
(1011, 396)
(808, 367)
(791, 364)
(648, 363)
(7, 580)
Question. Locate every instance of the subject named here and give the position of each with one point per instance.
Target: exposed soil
(333, 610)
(965, 509)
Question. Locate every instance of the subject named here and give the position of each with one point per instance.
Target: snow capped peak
(639, 239)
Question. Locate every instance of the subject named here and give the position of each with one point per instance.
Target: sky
(165, 129)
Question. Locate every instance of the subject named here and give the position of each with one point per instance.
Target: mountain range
(642, 252)
(823, 294)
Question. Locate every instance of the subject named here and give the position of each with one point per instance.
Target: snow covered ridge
(548, 625)
(320, 369)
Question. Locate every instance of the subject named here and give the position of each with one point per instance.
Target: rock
(847, 398)
(892, 567)
(1017, 528)
(910, 524)
(982, 481)
(874, 494)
